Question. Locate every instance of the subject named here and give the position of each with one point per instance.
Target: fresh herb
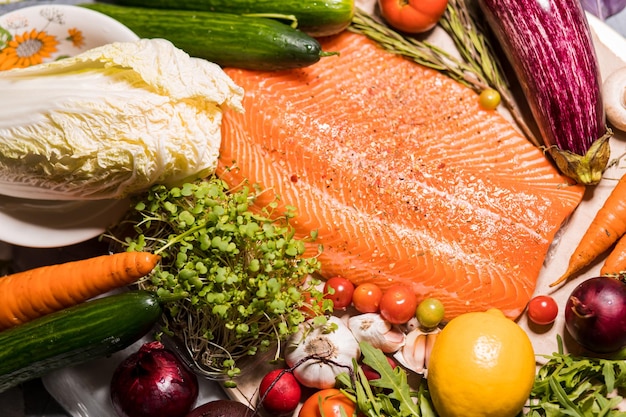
(478, 67)
(241, 271)
(390, 395)
(568, 385)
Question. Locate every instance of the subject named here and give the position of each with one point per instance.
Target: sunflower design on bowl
(39, 34)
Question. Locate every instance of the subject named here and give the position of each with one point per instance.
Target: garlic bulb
(372, 328)
(416, 350)
(321, 352)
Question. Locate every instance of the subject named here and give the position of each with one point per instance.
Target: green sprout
(240, 269)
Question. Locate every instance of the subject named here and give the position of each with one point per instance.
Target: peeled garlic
(416, 350)
(372, 328)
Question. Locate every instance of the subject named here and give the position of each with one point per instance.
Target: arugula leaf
(574, 386)
(390, 395)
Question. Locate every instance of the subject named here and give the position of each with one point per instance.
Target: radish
(280, 392)
(549, 45)
(372, 374)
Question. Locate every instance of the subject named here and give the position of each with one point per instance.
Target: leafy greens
(240, 273)
(111, 121)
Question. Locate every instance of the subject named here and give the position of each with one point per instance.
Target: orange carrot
(27, 295)
(608, 225)
(615, 263)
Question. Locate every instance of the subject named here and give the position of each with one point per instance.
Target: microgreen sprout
(241, 270)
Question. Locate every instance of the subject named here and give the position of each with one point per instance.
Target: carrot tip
(560, 280)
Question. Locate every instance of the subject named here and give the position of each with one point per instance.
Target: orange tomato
(366, 297)
(327, 403)
(412, 16)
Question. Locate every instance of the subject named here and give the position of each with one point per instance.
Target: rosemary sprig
(468, 36)
(477, 68)
(422, 52)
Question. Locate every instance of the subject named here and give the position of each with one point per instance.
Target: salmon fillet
(402, 175)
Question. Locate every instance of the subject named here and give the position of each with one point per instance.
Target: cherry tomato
(430, 312)
(366, 298)
(311, 307)
(332, 401)
(339, 290)
(398, 304)
(412, 16)
(489, 99)
(542, 310)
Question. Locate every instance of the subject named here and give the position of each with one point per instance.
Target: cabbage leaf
(111, 121)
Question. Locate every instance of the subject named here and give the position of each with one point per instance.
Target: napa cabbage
(111, 121)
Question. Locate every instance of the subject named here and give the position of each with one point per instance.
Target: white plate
(79, 388)
(51, 224)
(45, 223)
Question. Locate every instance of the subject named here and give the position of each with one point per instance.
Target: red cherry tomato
(339, 290)
(542, 310)
(412, 16)
(398, 304)
(311, 307)
(366, 298)
(327, 403)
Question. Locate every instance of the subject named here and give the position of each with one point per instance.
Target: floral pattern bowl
(37, 34)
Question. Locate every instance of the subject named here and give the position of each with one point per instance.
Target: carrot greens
(241, 272)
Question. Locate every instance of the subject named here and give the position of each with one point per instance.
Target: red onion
(153, 382)
(595, 314)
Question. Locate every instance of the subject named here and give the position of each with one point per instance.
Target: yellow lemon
(482, 365)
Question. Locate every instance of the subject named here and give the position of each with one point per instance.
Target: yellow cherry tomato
(489, 99)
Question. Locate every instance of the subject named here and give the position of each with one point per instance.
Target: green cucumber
(75, 335)
(315, 17)
(228, 40)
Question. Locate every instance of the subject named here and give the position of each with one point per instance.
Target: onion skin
(153, 382)
(595, 314)
(549, 45)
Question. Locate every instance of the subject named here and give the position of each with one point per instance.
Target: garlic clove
(614, 96)
(416, 351)
(372, 328)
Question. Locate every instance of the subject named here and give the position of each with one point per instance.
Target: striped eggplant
(549, 45)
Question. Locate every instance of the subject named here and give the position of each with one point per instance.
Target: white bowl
(36, 34)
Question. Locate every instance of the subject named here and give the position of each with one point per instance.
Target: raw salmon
(402, 175)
